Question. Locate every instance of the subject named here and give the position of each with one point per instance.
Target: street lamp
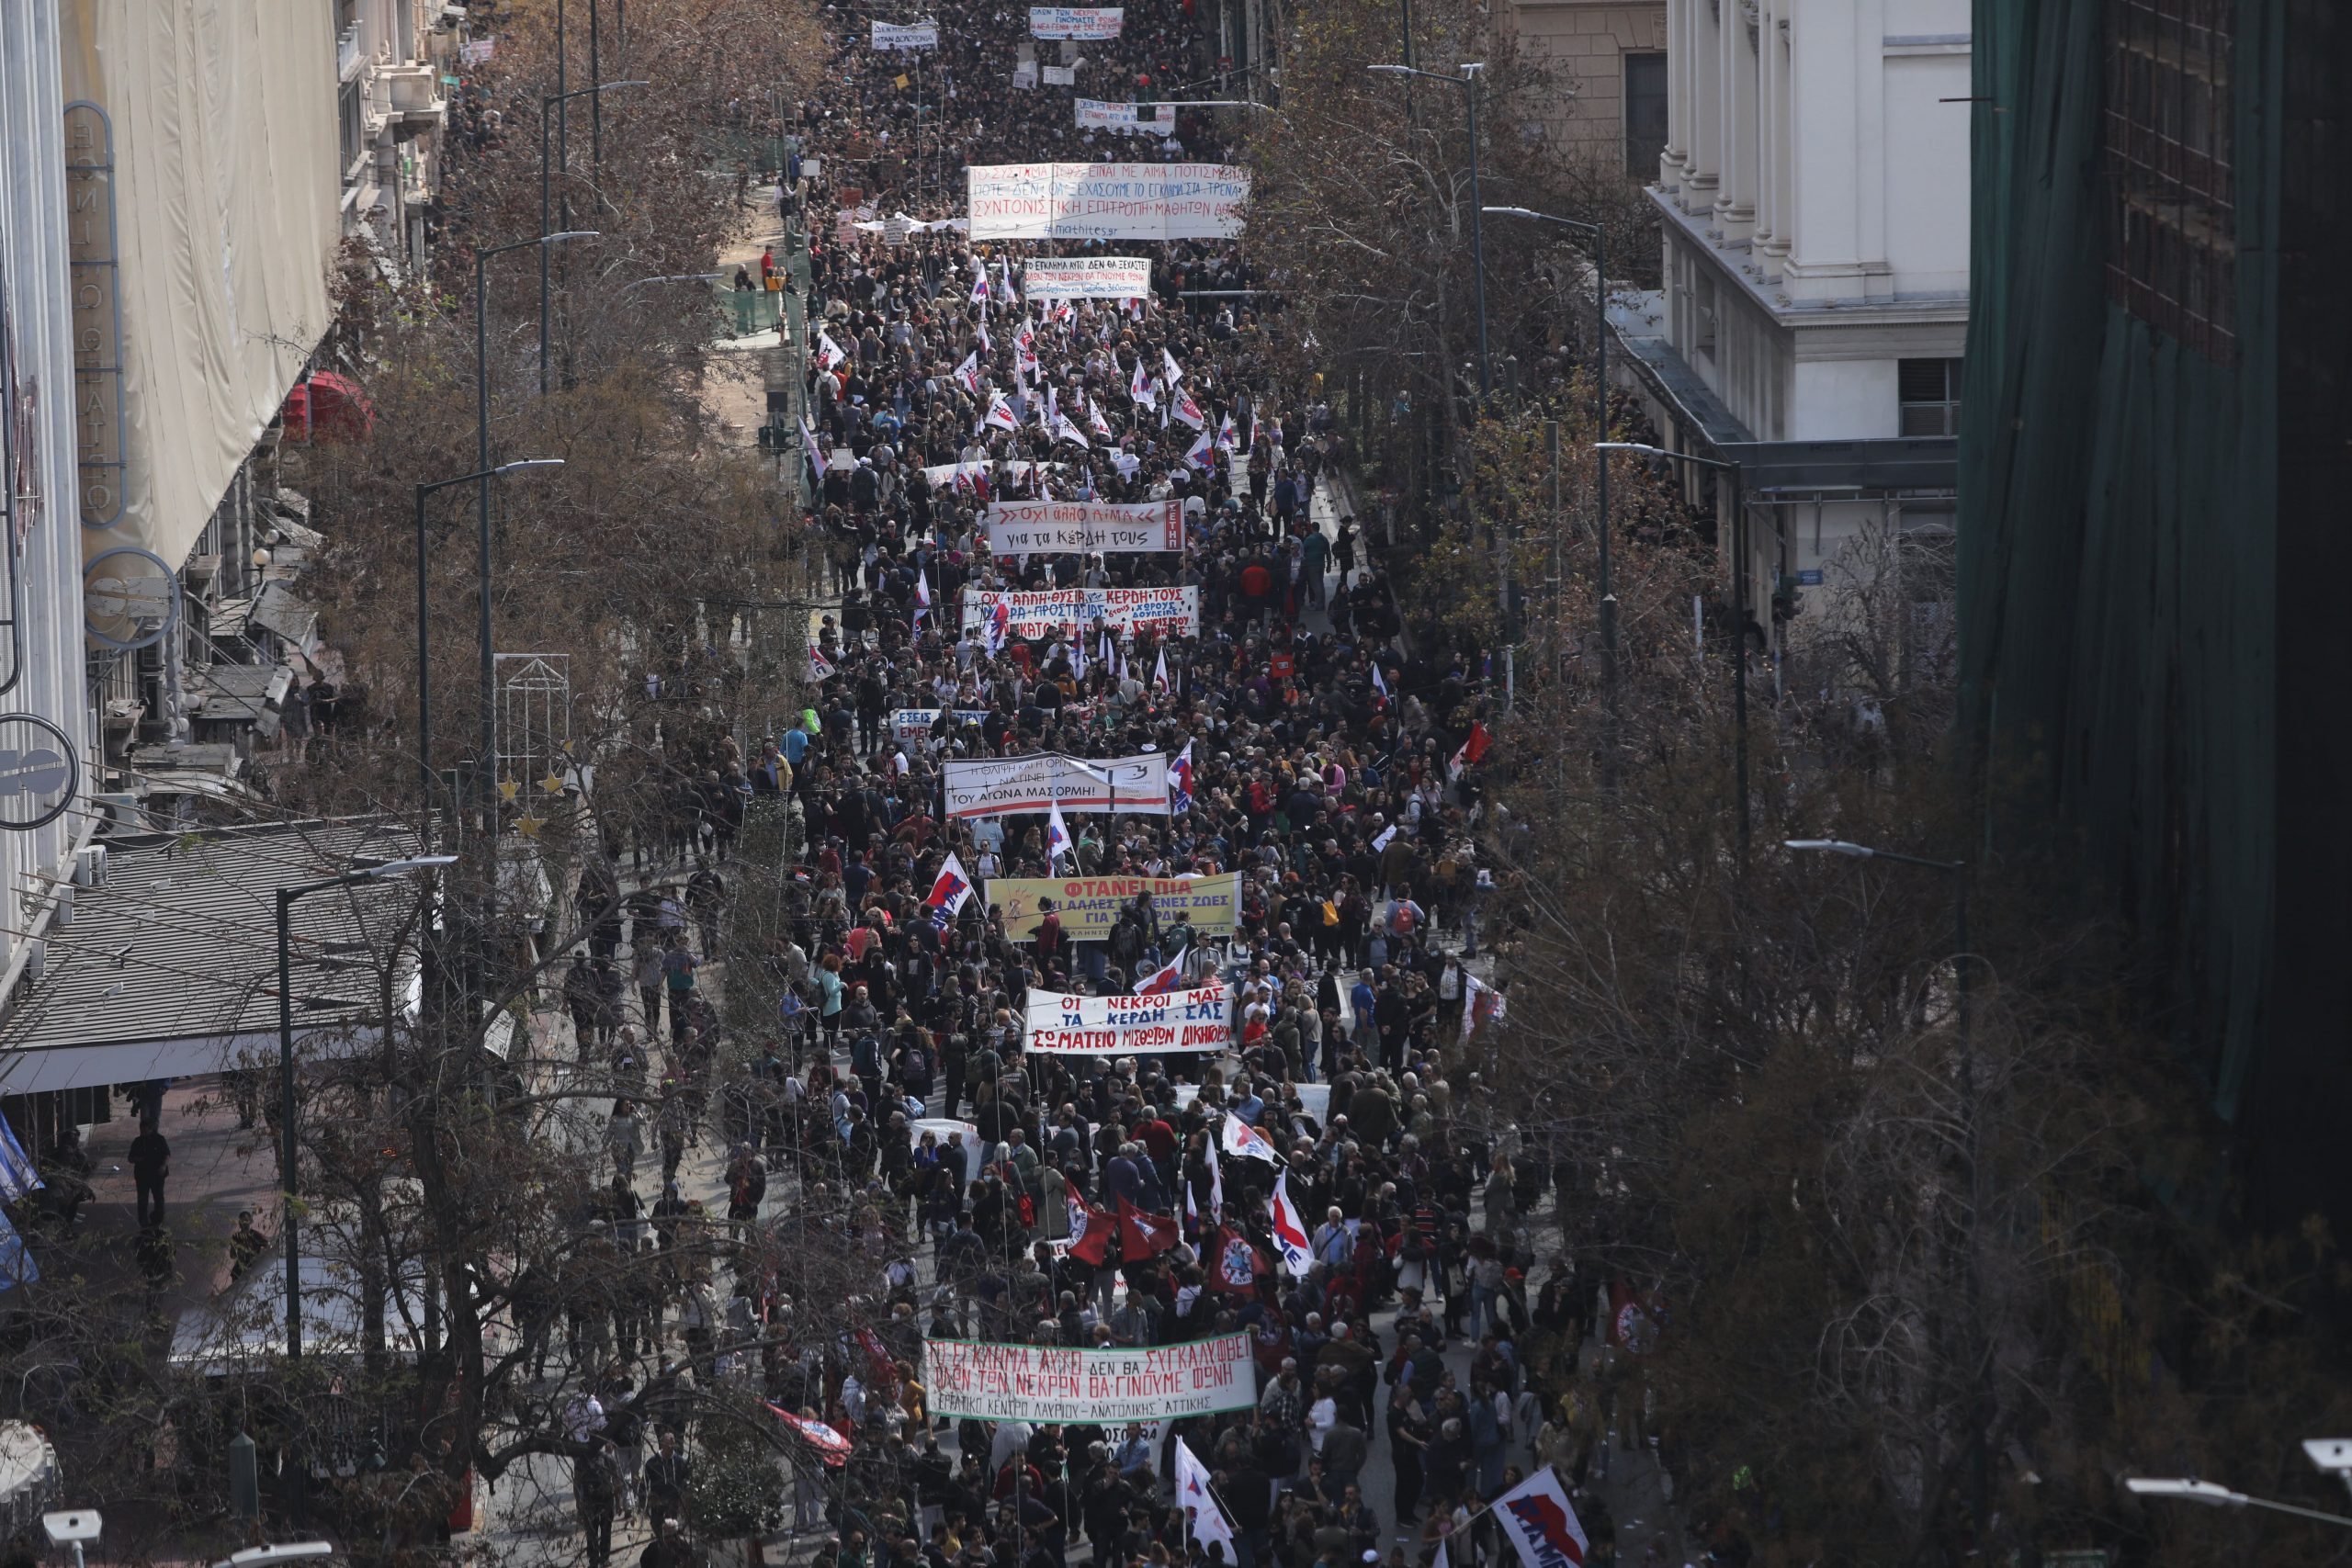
(1738, 606)
(483, 469)
(423, 683)
(285, 901)
(1468, 83)
(1601, 400)
(2214, 1496)
(547, 103)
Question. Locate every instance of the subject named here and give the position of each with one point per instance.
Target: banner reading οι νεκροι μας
(1041, 1383)
(1200, 1019)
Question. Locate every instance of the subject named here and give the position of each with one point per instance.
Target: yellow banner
(1090, 906)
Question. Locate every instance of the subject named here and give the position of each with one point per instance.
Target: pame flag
(1536, 1516)
(948, 894)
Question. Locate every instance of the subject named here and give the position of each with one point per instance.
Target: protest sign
(940, 476)
(1088, 527)
(1006, 786)
(1198, 1020)
(1088, 278)
(1041, 1383)
(1059, 76)
(1127, 119)
(1090, 906)
(1106, 201)
(1076, 21)
(906, 34)
(1169, 611)
(914, 724)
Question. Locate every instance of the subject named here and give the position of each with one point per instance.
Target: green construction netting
(2118, 530)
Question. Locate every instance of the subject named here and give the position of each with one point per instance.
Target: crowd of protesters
(1021, 1196)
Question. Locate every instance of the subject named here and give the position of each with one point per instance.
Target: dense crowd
(1331, 764)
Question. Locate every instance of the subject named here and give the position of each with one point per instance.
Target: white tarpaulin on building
(1106, 201)
(1006, 786)
(1130, 1026)
(1087, 278)
(1087, 528)
(1041, 1383)
(1171, 611)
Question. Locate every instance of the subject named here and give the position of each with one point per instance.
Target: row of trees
(1936, 1264)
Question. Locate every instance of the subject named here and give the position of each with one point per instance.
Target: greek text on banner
(1076, 21)
(1007, 786)
(1171, 610)
(1091, 527)
(1130, 1026)
(1090, 906)
(1127, 119)
(906, 34)
(1106, 201)
(1087, 278)
(1046, 1382)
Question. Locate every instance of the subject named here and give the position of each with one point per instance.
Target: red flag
(1145, 1235)
(1633, 1325)
(1089, 1227)
(878, 1365)
(1235, 1264)
(830, 1446)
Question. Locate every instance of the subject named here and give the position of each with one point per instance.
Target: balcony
(410, 92)
(347, 56)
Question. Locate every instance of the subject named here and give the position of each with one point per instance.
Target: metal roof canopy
(169, 967)
(1900, 463)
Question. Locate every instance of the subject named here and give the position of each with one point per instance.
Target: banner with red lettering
(1130, 1026)
(1044, 1382)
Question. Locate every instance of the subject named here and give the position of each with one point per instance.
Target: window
(1928, 390)
(354, 126)
(2172, 240)
(1645, 113)
(1702, 316)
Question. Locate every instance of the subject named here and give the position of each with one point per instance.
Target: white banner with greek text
(1041, 1383)
(1007, 786)
(1130, 1026)
(1089, 527)
(1106, 201)
(1127, 119)
(1171, 611)
(906, 34)
(1076, 21)
(1088, 278)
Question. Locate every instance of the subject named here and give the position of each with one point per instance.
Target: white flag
(1056, 835)
(1537, 1516)
(1203, 1513)
(1175, 371)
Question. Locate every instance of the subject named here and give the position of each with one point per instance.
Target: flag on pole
(1094, 417)
(828, 352)
(981, 330)
(1235, 1265)
(809, 443)
(830, 1446)
(1175, 371)
(1473, 749)
(1225, 438)
(1203, 1515)
(1379, 683)
(1065, 431)
(1202, 453)
(1537, 1516)
(1245, 1142)
(1257, 430)
(980, 285)
(948, 894)
(1217, 1180)
(819, 667)
(1159, 671)
(998, 416)
(1139, 390)
(1181, 405)
(1290, 1235)
(1077, 658)
(922, 597)
(1481, 1005)
(1089, 1227)
(1180, 782)
(967, 375)
(1057, 842)
(1000, 624)
(1143, 1233)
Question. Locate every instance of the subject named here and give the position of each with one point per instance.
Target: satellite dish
(40, 774)
(129, 597)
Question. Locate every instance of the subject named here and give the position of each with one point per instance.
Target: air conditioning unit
(90, 866)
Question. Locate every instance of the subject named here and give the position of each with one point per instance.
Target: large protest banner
(1091, 527)
(1046, 1382)
(1127, 119)
(1088, 278)
(906, 34)
(1006, 786)
(1106, 201)
(1171, 611)
(1130, 1026)
(1076, 21)
(1090, 906)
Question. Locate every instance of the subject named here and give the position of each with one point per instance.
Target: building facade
(391, 59)
(1611, 55)
(1816, 268)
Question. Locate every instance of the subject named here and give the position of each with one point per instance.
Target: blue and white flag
(18, 1176)
(1057, 842)
(16, 1265)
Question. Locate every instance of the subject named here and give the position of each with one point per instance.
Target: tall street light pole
(483, 469)
(1468, 83)
(1600, 423)
(547, 104)
(1738, 609)
(423, 671)
(289, 1143)
(1979, 1458)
